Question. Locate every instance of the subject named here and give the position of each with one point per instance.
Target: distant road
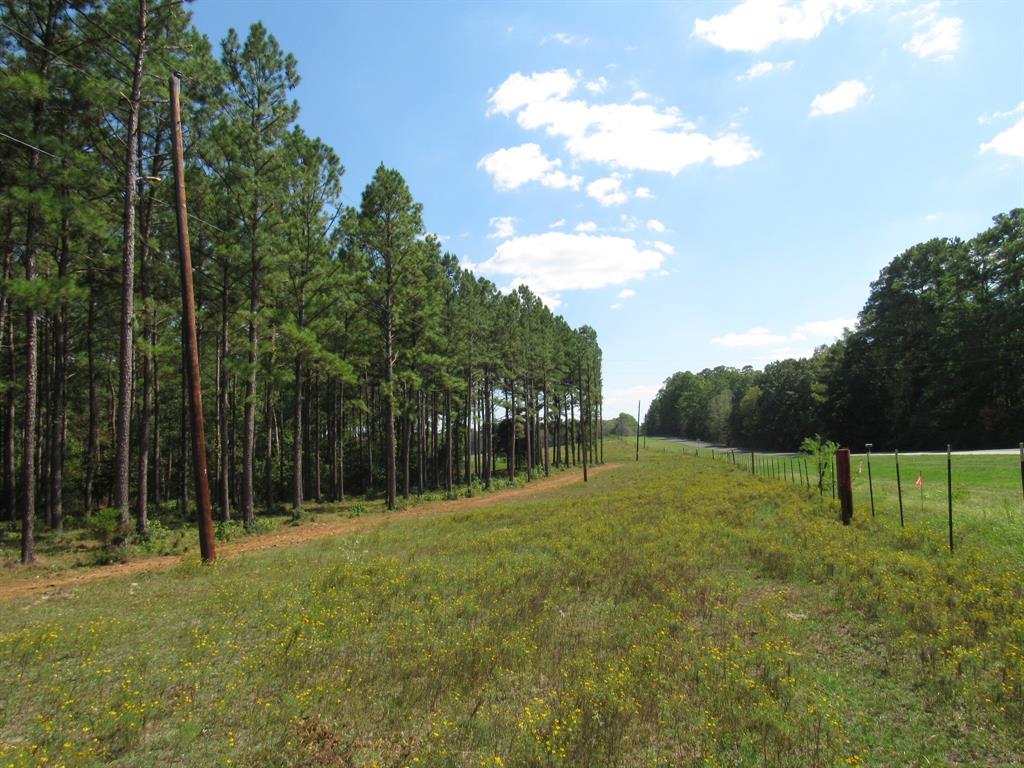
(726, 449)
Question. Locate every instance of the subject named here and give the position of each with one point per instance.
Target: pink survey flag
(919, 482)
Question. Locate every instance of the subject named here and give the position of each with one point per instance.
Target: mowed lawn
(675, 611)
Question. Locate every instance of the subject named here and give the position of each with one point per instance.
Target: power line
(30, 146)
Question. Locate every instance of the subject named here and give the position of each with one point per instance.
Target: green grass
(671, 612)
(988, 502)
(86, 542)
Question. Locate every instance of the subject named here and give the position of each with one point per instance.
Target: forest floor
(676, 611)
(42, 585)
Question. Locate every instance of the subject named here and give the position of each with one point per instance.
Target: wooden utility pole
(188, 324)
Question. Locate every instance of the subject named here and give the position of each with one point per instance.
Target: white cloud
(844, 96)
(627, 293)
(518, 90)
(991, 117)
(600, 85)
(512, 167)
(564, 38)
(939, 37)
(586, 226)
(755, 25)
(763, 68)
(655, 226)
(630, 136)
(629, 223)
(555, 261)
(504, 226)
(755, 337)
(664, 247)
(556, 224)
(825, 328)
(608, 191)
(617, 305)
(762, 337)
(1009, 142)
(643, 193)
(639, 96)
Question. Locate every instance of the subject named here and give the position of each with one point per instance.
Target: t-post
(899, 488)
(845, 483)
(871, 488)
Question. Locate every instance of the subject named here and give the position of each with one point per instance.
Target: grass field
(988, 502)
(86, 543)
(674, 611)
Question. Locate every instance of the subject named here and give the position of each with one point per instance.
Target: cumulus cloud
(608, 191)
(627, 293)
(519, 90)
(617, 305)
(937, 37)
(1009, 142)
(763, 68)
(844, 96)
(555, 261)
(755, 25)
(655, 226)
(643, 193)
(556, 224)
(629, 136)
(598, 86)
(586, 226)
(513, 167)
(820, 330)
(504, 227)
(664, 247)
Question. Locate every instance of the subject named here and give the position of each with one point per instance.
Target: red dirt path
(66, 580)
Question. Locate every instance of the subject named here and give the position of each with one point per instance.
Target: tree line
(343, 350)
(937, 357)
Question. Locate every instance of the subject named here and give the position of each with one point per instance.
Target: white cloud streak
(938, 37)
(820, 330)
(555, 261)
(1009, 142)
(627, 136)
(513, 167)
(763, 68)
(608, 191)
(844, 96)
(755, 25)
(504, 227)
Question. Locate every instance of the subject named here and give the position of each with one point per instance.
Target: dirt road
(62, 581)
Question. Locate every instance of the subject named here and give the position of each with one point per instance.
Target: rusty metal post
(845, 484)
(188, 322)
(899, 487)
(949, 491)
(871, 487)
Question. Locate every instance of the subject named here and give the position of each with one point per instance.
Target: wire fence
(973, 495)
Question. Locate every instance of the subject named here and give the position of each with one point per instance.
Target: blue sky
(703, 183)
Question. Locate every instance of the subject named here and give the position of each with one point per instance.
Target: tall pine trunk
(127, 373)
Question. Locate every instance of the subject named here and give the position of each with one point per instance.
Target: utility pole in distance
(638, 430)
(188, 333)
